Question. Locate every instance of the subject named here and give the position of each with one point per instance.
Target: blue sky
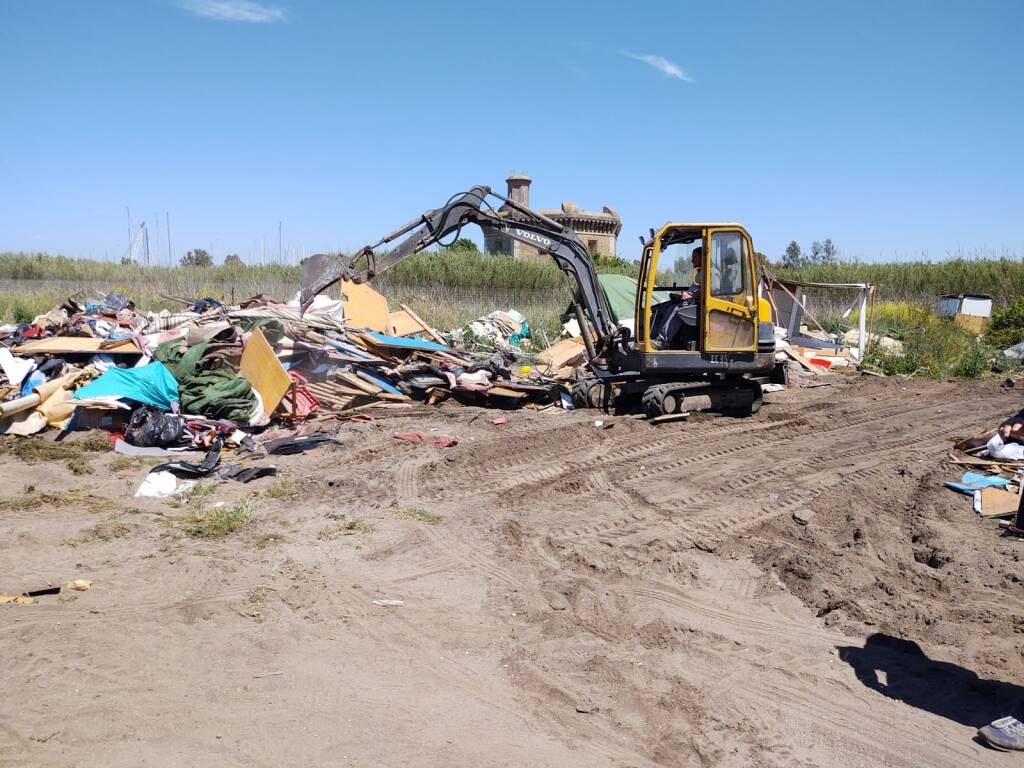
(893, 128)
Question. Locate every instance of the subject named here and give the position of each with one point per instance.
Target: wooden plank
(365, 308)
(974, 461)
(365, 386)
(69, 345)
(264, 371)
(503, 392)
(667, 417)
(804, 363)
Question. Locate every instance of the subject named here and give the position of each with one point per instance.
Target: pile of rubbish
(211, 376)
(992, 466)
(815, 352)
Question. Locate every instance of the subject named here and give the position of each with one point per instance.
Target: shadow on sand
(900, 670)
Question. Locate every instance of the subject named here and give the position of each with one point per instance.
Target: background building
(598, 231)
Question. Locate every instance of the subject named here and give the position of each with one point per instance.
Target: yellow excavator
(708, 345)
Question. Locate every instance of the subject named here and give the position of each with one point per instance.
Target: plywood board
(69, 345)
(365, 308)
(403, 324)
(996, 502)
(263, 370)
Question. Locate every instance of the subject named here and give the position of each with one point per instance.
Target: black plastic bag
(150, 428)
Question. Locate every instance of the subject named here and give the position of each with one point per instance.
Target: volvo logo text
(535, 238)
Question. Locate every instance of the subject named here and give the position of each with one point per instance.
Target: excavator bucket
(319, 273)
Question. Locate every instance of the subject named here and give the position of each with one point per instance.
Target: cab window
(729, 265)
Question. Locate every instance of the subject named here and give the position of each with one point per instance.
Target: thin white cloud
(233, 10)
(661, 64)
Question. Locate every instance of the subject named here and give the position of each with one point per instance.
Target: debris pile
(992, 466)
(210, 376)
(814, 352)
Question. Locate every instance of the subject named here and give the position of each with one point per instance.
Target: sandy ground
(636, 596)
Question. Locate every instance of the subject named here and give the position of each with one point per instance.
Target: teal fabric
(151, 384)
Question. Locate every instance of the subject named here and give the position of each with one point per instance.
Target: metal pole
(279, 261)
(129, 212)
(862, 324)
(170, 259)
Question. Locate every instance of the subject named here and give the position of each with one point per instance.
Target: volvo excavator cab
(703, 342)
(717, 315)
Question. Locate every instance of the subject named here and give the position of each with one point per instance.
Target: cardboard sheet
(996, 502)
(567, 352)
(263, 370)
(68, 345)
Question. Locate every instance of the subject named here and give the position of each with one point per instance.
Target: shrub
(1006, 327)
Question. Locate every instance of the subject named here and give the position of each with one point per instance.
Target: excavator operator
(676, 316)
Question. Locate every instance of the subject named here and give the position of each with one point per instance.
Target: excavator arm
(471, 207)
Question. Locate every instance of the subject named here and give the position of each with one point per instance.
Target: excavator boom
(471, 207)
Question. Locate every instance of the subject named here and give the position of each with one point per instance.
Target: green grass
(345, 528)
(932, 348)
(79, 467)
(32, 500)
(264, 540)
(34, 449)
(123, 463)
(419, 514)
(1006, 327)
(282, 489)
(217, 522)
(1002, 276)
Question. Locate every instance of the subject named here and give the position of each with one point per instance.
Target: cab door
(728, 292)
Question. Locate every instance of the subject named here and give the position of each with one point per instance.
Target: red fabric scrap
(419, 437)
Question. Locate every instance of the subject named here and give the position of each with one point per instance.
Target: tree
(233, 260)
(793, 257)
(197, 258)
(128, 260)
(817, 253)
(829, 252)
(464, 244)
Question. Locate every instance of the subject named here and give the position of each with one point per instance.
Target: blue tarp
(151, 384)
(972, 481)
(398, 342)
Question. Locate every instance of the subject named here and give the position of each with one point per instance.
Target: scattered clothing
(419, 437)
(191, 469)
(287, 446)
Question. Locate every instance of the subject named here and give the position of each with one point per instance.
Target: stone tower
(598, 231)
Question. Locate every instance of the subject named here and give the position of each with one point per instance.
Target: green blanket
(207, 388)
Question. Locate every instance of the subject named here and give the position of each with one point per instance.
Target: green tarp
(621, 292)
